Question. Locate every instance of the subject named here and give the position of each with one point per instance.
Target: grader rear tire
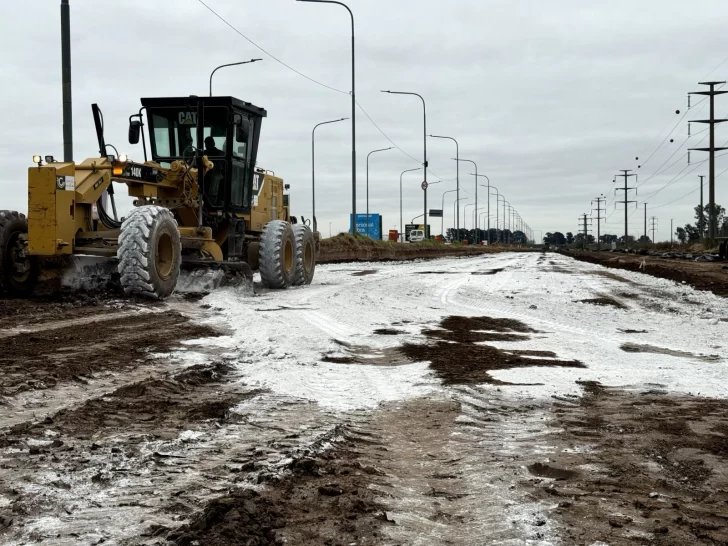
(277, 255)
(150, 252)
(18, 272)
(305, 254)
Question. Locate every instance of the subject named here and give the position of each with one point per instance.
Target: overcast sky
(550, 99)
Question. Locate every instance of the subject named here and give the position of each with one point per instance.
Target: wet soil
(459, 355)
(103, 340)
(710, 276)
(324, 498)
(603, 301)
(637, 468)
(157, 407)
(643, 348)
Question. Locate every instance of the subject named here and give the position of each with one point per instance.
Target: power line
(289, 67)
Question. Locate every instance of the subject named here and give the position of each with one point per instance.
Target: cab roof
(191, 102)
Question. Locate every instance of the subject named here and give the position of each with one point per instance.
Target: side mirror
(135, 128)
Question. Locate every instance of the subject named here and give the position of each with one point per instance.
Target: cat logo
(187, 118)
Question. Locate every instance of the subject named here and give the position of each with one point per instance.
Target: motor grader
(199, 202)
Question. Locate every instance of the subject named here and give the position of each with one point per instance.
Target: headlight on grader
(118, 168)
(37, 159)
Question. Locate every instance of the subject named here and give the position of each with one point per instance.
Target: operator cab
(229, 138)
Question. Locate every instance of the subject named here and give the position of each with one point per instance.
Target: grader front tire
(18, 271)
(277, 255)
(150, 252)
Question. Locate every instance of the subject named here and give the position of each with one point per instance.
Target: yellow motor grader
(199, 202)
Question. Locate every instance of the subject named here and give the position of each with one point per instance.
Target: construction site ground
(499, 399)
(711, 276)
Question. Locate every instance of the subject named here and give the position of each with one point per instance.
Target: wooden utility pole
(712, 213)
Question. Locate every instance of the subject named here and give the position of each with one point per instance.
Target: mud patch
(603, 301)
(643, 348)
(487, 272)
(324, 499)
(364, 272)
(547, 471)
(361, 354)
(389, 332)
(158, 406)
(46, 357)
(459, 357)
(651, 469)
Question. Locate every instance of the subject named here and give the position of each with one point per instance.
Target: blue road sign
(373, 230)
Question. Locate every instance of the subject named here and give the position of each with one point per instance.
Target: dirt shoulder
(347, 248)
(637, 468)
(709, 276)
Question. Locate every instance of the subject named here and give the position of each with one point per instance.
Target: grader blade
(204, 277)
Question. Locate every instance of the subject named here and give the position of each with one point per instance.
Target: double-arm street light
(401, 232)
(476, 186)
(424, 138)
(370, 153)
(353, 109)
(230, 64)
(313, 166)
(457, 178)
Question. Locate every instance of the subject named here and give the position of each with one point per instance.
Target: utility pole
(712, 218)
(599, 210)
(645, 204)
(701, 220)
(671, 231)
(626, 174)
(66, 81)
(583, 226)
(653, 227)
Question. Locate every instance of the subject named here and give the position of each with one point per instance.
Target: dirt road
(504, 399)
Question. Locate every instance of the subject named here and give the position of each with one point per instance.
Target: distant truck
(417, 235)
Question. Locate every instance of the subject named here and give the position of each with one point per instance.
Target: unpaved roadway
(502, 399)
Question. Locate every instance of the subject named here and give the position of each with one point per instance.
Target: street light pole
(455, 205)
(496, 211)
(476, 187)
(230, 64)
(353, 109)
(465, 213)
(488, 186)
(313, 168)
(442, 207)
(457, 177)
(370, 153)
(400, 199)
(424, 138)
(502, 234)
